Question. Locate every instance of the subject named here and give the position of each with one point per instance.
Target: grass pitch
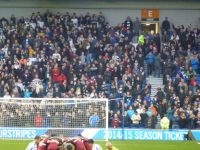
(121, 145)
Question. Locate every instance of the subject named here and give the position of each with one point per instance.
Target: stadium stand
(66, 55)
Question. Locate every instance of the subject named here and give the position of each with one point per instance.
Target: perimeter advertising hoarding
(100, 134)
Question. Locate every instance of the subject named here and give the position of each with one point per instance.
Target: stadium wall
(115, 16)
(99, 134)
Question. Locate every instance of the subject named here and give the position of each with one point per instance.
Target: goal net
(59, 116)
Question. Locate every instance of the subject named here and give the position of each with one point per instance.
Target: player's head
(108, 146)
(68, 146)
(37, 139)
(90, 142)
(44, 136)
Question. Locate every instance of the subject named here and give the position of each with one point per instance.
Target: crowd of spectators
(69, 55)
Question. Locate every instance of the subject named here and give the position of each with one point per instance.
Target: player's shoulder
(96, 147)
(31, 145)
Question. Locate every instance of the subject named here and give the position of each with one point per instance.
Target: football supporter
(64, 55)
(164, 123)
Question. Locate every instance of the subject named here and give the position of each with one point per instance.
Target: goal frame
(26, 101)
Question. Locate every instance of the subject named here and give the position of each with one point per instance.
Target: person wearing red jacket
(55, 73)
(115, 121)
(38, 120)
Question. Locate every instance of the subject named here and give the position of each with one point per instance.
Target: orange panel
(150, 13)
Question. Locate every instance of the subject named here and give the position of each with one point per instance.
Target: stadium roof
(102, 4)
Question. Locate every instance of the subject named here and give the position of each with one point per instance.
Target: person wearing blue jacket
(195, 64)
(150, 59)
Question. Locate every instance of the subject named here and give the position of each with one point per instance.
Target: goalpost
(61, 116)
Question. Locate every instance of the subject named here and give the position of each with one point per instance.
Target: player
(43, 144)
(76, 141)
(110, 147)
(34, 144)
(53, 143)
(96, 147)
(79, 144)
(87, 142)
(68, 146)
(90, 145)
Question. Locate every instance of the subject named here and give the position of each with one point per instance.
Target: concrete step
(154, 78)
(155, 83)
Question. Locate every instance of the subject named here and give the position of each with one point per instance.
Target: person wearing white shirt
(96, 147)
(40, 23)
(56, 56)
(136, 119)
(5, 50)
(34, 144)
(33, 24)
(74, 21)
(7, 95)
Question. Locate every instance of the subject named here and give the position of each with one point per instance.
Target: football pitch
(121, 145)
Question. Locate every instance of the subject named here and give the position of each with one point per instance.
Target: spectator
(27, 93)
(38, 120)
(175, 121)
(165, 37)
(128, 23)
(94, 120)
(66, 55)
(150, 59)
(164, 123)
(116, 122)
(170, 112)
(160, 94)
(157, 65)
(130, 112)
(137, 26)
(165, 25)
(135, 119)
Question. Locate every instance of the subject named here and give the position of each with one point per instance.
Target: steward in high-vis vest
(141, 39)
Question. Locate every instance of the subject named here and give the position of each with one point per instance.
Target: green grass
(121, 145)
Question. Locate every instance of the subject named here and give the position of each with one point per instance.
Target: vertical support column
(107, 120)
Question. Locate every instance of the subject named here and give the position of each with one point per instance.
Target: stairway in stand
(155, 83)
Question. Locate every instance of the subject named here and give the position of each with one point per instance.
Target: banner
(20, 133)
(150, 14)
(100, 134)
(134, 134)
